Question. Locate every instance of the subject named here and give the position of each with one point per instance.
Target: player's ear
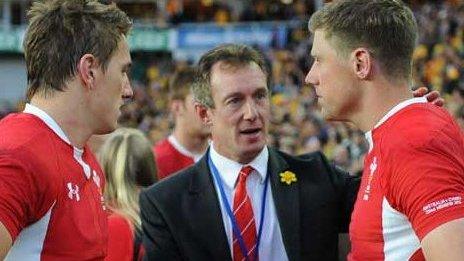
(204, 113)
(86, 70)
(176, 106)
(362, 63)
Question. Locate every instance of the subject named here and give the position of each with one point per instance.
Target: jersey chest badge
(73, 192)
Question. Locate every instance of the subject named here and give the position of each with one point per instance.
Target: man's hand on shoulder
(433, 97)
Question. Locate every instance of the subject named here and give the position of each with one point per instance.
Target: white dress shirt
(271, 246)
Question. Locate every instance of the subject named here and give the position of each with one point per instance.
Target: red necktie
(243, 212)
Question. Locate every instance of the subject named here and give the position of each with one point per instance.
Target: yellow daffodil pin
(287, 177)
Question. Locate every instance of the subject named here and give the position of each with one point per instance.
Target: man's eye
(233, 101)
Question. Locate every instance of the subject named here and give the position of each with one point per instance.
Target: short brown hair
(386, 27)
(181, 83)
(231, 54)
(60, 32)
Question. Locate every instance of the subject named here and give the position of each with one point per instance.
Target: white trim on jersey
(400, 241)
(176, 144)
(78, 157)
(400, 106)
(369, 140)
(51, 123)
(390, 113)
(29, 243)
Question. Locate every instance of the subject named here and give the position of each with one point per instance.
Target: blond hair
(387, 28)
(128, 162)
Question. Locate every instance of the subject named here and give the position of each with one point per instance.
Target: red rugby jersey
(413, 182)
(50, 192)
(171, 157)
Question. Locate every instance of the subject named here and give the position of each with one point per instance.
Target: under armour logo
(73, 191)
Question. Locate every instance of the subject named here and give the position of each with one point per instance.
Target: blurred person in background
(189, 140)
(409, 205)
(127, 160)
(51, 201)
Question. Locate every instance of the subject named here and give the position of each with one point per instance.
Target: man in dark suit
(244, 200)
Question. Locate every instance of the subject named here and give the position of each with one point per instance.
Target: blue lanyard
(235, 228)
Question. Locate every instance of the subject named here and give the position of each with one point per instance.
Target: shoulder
(162, 146)
(171, 187)
(314, 168)
(309, 160)
(419, 126)
(22, 130)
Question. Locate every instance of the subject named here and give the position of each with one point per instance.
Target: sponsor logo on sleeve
(441, 204)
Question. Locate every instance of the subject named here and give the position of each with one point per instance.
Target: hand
(434, 96)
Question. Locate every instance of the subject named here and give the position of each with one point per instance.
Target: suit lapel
(207, 217)
(286, 200)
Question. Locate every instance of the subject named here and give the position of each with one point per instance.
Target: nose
(311, 76)
(127, 91)
(251, 111)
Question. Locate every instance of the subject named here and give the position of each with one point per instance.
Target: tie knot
(245, 171)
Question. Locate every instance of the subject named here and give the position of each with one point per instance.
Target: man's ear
(87, 70)
(362, 63)
(203, 113)
(176, 106)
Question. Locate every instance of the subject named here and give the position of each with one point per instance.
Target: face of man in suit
(240, 117)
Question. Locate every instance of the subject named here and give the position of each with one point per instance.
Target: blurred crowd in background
(297, 126)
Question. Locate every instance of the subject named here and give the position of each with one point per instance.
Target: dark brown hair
(235, 55)
(181, 83)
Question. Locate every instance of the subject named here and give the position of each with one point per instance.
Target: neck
(196, 144)
(242, 158)
(377, 101)
(65, 110)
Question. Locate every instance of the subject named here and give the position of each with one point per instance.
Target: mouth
(251, 132)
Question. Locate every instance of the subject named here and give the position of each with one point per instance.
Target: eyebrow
(238, 94)
(262, 90)
(234, 94)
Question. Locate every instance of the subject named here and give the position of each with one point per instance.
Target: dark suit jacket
(182, 220)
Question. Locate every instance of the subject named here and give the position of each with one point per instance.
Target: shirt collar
(229, 169)
(52, 124)
(176, 144)
(398, 107)
(47, 119)
(390, 113)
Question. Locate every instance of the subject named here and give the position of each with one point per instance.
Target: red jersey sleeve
(18, 195)
(427, 182)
